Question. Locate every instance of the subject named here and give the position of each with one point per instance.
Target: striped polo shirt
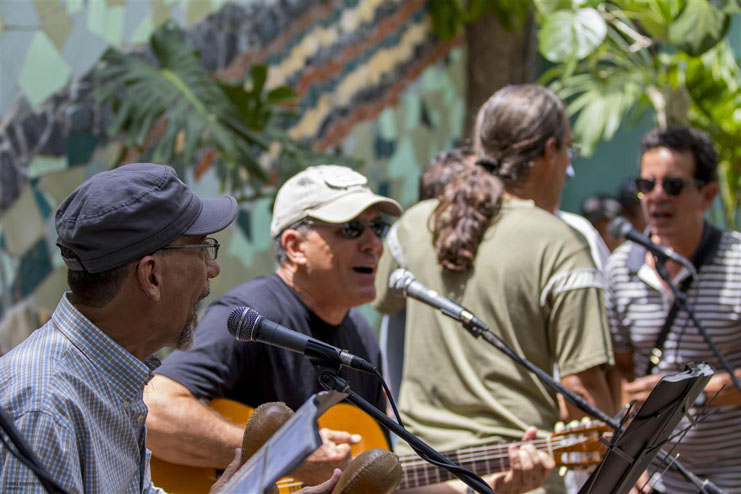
(637, 308)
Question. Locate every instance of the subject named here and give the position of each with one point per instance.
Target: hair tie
(490, 164)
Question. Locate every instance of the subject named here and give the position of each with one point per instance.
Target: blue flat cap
(120, 215)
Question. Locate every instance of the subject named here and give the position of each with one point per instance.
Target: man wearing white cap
(328, 228)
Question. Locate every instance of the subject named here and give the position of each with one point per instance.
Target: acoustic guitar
(577, 447)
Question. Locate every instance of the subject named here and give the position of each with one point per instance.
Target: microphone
(245, 324)
(403, 284)
(621, 228)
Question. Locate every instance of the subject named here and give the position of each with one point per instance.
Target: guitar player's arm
(593, 386)
(638, 388)
(182, 430)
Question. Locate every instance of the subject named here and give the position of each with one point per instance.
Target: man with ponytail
(492, 242)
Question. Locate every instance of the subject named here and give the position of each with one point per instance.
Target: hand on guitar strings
(333, 453)
(529, 468)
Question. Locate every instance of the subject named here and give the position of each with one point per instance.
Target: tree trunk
(496, 58)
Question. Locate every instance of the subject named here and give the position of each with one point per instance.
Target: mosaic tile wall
(374, 83)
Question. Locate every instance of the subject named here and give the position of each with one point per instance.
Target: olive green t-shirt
(535, 285)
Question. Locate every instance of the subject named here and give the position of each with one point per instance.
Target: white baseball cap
(329, 193)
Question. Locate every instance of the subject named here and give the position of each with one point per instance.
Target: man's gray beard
(187, 336)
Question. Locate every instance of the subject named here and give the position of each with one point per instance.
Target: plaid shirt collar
(127, 373)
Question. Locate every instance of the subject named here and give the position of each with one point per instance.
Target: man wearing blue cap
(135, 243)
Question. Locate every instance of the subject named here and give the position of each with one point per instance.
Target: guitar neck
(482, 460)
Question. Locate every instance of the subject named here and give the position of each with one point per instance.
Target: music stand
(632, 449)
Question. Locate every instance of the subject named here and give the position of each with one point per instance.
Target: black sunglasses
(673, 186)
(355, 228)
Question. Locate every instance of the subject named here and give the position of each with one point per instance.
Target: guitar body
(182, 479)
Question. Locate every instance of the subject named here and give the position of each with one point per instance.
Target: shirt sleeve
(620, 333)
(386, 302)
(54, 444)
(579, 331)
(149, 487)
(573, 297)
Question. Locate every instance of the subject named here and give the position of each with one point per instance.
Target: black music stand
(632, 449)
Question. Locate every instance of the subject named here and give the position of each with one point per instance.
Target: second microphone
(245, 324)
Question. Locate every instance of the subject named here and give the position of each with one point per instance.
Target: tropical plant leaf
(732, 7)
(178, 92)
(699, 27)
(447, 17)
(282, 94)
(654, 16)
(172, 111)
(566, 35)
(546, 7)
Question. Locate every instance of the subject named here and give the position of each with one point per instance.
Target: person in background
(491, 241)
(677, 184)
(600, 210)
(630, 204)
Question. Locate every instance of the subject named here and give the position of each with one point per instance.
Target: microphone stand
(479, 329)
(26, 456)
(681, 299)
(327, 373)
(483, 331)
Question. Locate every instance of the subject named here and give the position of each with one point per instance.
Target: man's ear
(293, 242)
(551, 149)
(149, 276)
(709, 191)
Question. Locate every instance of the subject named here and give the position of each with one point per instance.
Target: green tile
(261, 217)
(55, 20)
(22, 223)
(412, 105)
(42, 165)
(44, 71)
(196, 10)
(35, 265)
(403, 167)
(106, 22)
(60, 184)
(143, 31)
(80, 147)
(42, 202)
(47, 293)
(387, 125)
(74, 6)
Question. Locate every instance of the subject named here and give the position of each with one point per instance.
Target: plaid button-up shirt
(76, 397)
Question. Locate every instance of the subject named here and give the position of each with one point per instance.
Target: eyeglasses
(210, 244)
(673, 186)
(355, 228)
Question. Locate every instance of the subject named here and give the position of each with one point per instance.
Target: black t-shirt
(219, 366)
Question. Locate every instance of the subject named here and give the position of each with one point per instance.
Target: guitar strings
(494, 452)
(500, 452)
